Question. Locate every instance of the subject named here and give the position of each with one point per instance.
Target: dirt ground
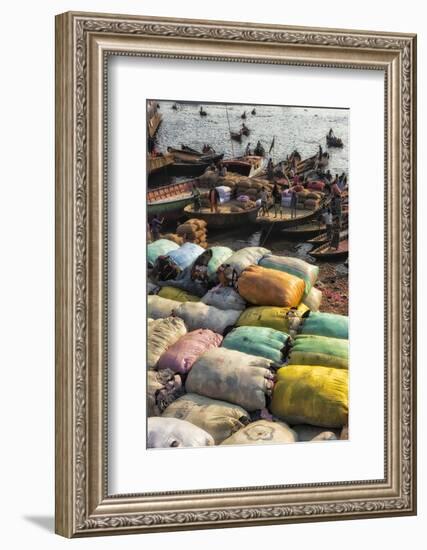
(333, 282)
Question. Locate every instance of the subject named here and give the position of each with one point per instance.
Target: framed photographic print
(235, 274)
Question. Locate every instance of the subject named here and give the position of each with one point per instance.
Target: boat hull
(223, 220)
(325, 253)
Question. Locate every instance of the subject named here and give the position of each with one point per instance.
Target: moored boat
(191, 155)
(225, 218)
(333, 141)
(159, 162)
(249, 166)
(323, 238)
(169, 201)
(325, 252)
(304, 231)
(237, 136)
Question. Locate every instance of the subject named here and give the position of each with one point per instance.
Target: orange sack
(269, 287)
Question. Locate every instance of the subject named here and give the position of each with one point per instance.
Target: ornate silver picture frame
(84, 43)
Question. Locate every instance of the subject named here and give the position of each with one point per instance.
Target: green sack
(161, 247)
(219, 255)
(319, 350)
(306, 394)
(326, 324)
(259, 341)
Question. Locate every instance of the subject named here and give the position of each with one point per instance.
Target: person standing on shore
(214, 199)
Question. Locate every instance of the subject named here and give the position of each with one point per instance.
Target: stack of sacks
(248, 205)
(284, 319)
(326, 324)
(193, 231)
(293, 266)
(163, 387)
(305, 432)
(174, 238)
(260, 341)
(313, 299)
(161, 247)
(270, 287)
(219, 418)
(169, 266)
(286, 198)
(240, 260)
(224, 297)
(198, 315)
(263, 432)
(316, 185)
(161, 334)
(312, 200)
(159, 308)
(232, 376)
(212, 258)
(314, 395)
(301, 198)
(177, 294)
(180, 357)
(319, 350)
(224, 193)
(172, 432)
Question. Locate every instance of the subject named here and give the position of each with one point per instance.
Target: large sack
(326, 324)
(170, 265)
(284, 319)
(232, 376)
(161, 334)
(218, 418)
(259, 341)
(161, 247)
(306, 432)
(159, 308)
(177, 294)
(269, 287)
(217, 255)
(293, 266)
(262, 432)
(306, 394)
(245, 257)
(224, 297)
(319, 350)
(313, 299)
(180, 356)
(171, 432)
(197, 315)
(163, 387)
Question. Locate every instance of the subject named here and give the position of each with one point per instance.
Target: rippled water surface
(302, 128)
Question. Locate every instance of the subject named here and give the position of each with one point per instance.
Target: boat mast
(229, 131)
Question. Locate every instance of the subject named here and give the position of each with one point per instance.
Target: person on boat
(270, 169)
(277, 200)
(214, 199)
(328, 175)
(335, 189)
(155, 226)
(253, 111)
(222, 170)
(327, 220)
(342, 181)
(336, 228)
(248, 150)
(264, 202)
(196, 198)
(294, 200)
(244, 114)
(331, 133)
(320, 152)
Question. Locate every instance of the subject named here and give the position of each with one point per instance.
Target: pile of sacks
(252, 360)
(193, 231)
(306, 199)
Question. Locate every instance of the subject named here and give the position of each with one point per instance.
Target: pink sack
(181, 355)
(316, 185)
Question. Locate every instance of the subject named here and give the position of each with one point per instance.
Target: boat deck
(286, 215)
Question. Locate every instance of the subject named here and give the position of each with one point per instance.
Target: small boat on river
(187, 154)
(333, 141)
(249, 165)
(304, 231)
(156, 163)
(225, 218)
(169, 201)
(325, 252)
(237, 136)
(323, 238)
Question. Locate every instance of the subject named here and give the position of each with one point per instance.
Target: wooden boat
(224, 219)
(191, 155)
(304, 231)
(250, 165)
(322, 238)
(169, 201)
(189, 169)
(202, 112)
(237, 136)
(325, 252)
(153, 118)
(159, 162)
(332, 141)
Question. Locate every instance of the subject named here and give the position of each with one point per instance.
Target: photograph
(247, 273)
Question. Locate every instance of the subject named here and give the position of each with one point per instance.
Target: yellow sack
(314, 395)
(317, 358)
(269, 287)
(177, 294)
(279, 318)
